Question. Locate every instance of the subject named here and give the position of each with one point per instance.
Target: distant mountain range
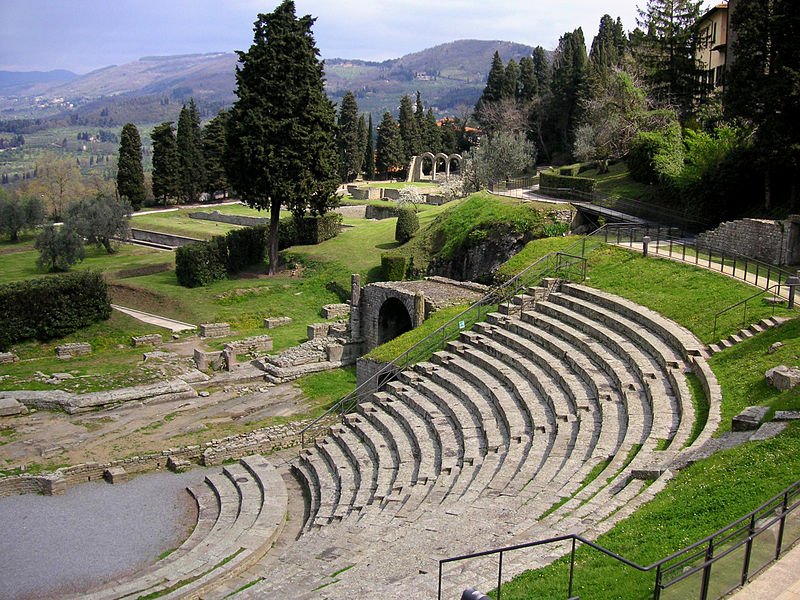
(152, 89)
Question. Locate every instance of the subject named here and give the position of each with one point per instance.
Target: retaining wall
(230, 219)
(775, 242)
(163, 239)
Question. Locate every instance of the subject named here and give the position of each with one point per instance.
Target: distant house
(713, 53)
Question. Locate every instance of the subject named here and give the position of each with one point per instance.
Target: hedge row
(551, 180)
(393, 267)
(51, 307)
(202, 263)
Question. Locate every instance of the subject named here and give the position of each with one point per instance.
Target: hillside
(152, 88)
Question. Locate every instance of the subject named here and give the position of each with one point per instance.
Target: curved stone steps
(324, 477)
(347, 475)
(307, 480)
(360, 455)
(381, 448)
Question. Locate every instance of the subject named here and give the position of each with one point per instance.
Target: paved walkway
(171, 324)
(779, 582)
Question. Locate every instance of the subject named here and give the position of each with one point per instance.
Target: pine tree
(511, 80)
(369, 153)
(130, 175)
(347, 138)
(408, 129)
(667, 51)
(493, 92)
(361, 130)
(419, 120)
(281, 146)
(213, 137)
(541, 66)
(608, 46)
(165, 162)
(390, 145)
(191, 171)
(528, 84)
(433, 138)
(569, 87)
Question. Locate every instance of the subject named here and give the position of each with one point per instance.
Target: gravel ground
(56, 545)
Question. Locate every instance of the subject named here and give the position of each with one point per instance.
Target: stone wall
(335, 311)
(66, 351)
(380, 212)
(366, 371)
(775, 242)
(151, 339)
(373, 297)
(162, 239)
(231, 219)
(273, 322)
(215, 330)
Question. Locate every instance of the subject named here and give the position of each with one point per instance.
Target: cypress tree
(347, 138)
(493, 92)
(165, 161)
(390, 145)
(667, 51)
(130, 175)
(213, 137)
(569, 87)
(369, 153)
(511, 80)
(280, 143)
(541, 66)
(191, 171)
(362, 142)
(528, 84)
(433, 137)
(408, 129)
(608, 46)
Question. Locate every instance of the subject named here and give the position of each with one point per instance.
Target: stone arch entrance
(393, 320)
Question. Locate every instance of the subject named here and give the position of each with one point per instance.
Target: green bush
(570, 170)
(393, 267)
(201, 263)
(312, 230)
(656, 156)
(247, 246)
(51, 307)
(550, 180)
(407, 224)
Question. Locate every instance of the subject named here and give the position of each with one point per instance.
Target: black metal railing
(707, 570)
(512, 183)
(775, 290)
(565, 264)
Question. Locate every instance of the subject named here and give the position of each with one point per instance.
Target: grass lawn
(618, 182)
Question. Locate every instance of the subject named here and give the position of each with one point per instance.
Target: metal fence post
(499, 575)
(784, 506)
(748, 551)
(707, 571)
(571, 569)
(657, 590)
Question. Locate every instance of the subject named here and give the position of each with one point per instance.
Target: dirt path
(158, 321)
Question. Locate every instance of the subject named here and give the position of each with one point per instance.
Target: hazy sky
(82, 35)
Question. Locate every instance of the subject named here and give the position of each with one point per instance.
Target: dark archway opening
(393, 320)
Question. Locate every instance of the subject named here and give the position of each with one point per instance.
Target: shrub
(51, 307)
(393, 267)
(201, 263)
(656, 156)
(550, 180)
(315, 229)
(407, 224)
(245, 247)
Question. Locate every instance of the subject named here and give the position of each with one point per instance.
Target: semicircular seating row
(558, 418)
(241, 512)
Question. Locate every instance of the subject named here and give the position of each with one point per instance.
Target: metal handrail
(784, 507)
(496, 295)
(775, 294)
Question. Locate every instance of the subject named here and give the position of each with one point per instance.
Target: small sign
(461, 325)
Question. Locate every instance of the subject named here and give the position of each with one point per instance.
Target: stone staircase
(489, 443)
(746, 333)
(241, 512)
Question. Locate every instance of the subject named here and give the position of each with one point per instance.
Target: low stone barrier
(335, 311)
(316, 331)
(215, 330)
(219, 217)
(152, 339)
(8, 358)
(204, 361)
(259, 343)
(67, 351)
(273, 322)
(162, 239)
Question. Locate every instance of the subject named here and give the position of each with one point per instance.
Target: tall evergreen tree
(362, 142)
(191, 171)
(130, 175)
(541, 66)
(608, 46)
(528, 84)
(569, 87)
(667, 51)
(433, 138)
(369, 153)
(390, 145)
(762, 88)
(493, 92)
(347, 137)
(419, 121)
(216, 181)
(511, 81)
(165, 162)
(281, 147)
(408, 129)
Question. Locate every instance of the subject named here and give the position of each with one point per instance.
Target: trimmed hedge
(407, 224)
(393, 267)
(552, 180)
(247, 246)
(51, 307)
(201, 263)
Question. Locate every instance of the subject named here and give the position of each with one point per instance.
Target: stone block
(318, 330)
(158, 355)
(783, 378)
(115, 475)
(749, 419)
(208, 360)
(775, 347)
(151, 339)
(335, 311)
(8, 357)
(335, 352)
(10, 407)
(215, 330)
(338, 329)
(786, 415)
(67, 351)
(177, 465)
(273, 322)
(259, 343)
